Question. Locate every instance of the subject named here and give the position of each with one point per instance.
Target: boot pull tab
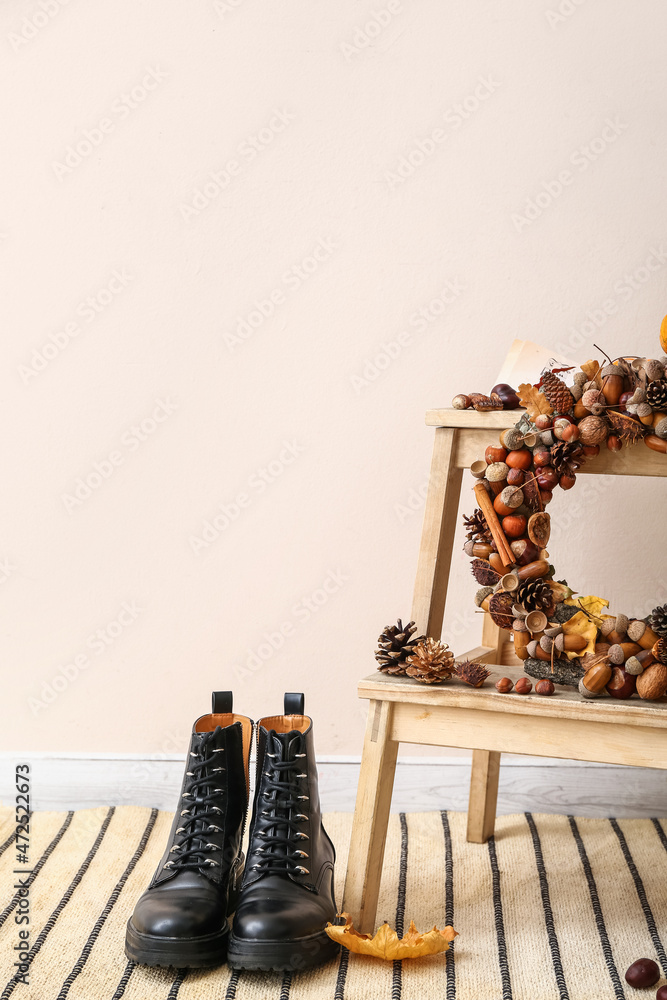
(294, 703)
(221, 702)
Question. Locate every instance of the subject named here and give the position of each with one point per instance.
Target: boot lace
(282, 794)
(200, 811)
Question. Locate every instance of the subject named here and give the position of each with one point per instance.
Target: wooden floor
(422, 784)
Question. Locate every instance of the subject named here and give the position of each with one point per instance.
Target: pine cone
(476, 527)
(557, 393)
(534, 595)
(660, 651)
(656, 394)
(472, 672)
(565, 455)
(431, 662)
(658, 620)
(395, 645)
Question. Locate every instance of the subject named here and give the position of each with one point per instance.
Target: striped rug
(553, 908)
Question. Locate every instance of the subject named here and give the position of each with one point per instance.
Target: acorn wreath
(569, 416)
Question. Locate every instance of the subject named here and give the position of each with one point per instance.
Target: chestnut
(504, 685)
(621, 684)
(567, 481)
(614, 442)
(642, 973)
(545, 686)
(541, 457)
(523, 686)
(515, 477)
(547, 478)
(524, 551)
(508, 395)
(662, 993)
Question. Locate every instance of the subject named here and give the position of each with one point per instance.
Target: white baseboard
(78, 781)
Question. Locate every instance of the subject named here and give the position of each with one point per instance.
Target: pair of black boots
(283, 895)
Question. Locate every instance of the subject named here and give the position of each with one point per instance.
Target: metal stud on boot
(181, 919)
(287, 893)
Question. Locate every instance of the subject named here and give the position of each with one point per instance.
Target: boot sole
(182, 953)
(279, 956)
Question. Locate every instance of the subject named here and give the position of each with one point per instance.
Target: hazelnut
(504, 685)
(523, 686)
(544, 686)
(642, 973)
(461, 402)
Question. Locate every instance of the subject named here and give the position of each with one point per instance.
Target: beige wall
(309, 114)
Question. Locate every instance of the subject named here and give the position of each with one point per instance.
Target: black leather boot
(287, 893)
(181, 919)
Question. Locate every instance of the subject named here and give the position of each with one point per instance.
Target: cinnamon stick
(487, 508)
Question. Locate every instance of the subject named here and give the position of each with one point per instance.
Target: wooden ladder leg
(483, 795)
(371, 816)
(437, 540)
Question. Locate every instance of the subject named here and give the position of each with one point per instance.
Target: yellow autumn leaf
(386, 944)
(593, 605)
(663, 334)
(590, 368)
(581, 624)
(534, 401)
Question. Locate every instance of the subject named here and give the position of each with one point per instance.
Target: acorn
(591, 397)
(622, 622)
(636, 629)
(482, 594)
(497, 472)
(511, 439)
(536, 622)
(595, 680)
(654, 370)
(616, 655)
(512, 496)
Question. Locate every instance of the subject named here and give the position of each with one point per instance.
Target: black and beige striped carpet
(553, 908)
